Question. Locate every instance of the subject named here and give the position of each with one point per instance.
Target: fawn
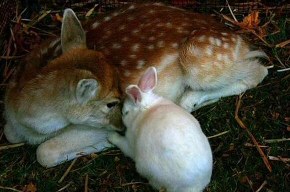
(66, 95)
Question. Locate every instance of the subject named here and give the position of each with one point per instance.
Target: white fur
(166, 143)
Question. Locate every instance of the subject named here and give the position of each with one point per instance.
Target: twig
(283, 159)
(250, 183)
(276, 140)
(10, 188)
(34, 22)
(12, 57)
(132, 183)
(11, 146)
(251, 145)
(242, 125)
(86, 183)
(67, 171)
(217, 135)
(261, 187)
(64, 187)
(279, 60)
(231, 11)
(283, 70)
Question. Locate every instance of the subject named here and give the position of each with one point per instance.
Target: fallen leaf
(58, 17)
(251, 21)
(30, 188)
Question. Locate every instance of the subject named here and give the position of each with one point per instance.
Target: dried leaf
(251, 21)
(30, 188)
(58, 17)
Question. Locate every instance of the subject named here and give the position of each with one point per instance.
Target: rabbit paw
(115, 138)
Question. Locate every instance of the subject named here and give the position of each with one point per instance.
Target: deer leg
(193, 100)
(75, 141)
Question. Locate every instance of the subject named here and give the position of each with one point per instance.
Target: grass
(237, 164)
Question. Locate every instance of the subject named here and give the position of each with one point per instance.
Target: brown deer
(66, 97)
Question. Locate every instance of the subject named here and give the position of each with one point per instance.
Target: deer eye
(112, 104)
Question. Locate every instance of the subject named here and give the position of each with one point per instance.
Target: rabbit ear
(148, 80)
(134, 93)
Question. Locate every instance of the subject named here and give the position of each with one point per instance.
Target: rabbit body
(166, 143)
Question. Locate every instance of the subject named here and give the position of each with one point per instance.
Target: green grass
(237, 167)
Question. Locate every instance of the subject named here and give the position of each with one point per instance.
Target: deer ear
(148, 81)
(86, 90)
(72, 33)
(134, 93)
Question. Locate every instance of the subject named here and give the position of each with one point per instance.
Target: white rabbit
(165, 141)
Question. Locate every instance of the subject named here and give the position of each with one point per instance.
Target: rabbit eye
(125, 113)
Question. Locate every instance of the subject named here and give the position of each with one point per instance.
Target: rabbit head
(141, 96)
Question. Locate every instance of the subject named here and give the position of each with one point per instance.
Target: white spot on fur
(115, 14)
(125, 39)
(219, 57)
(130, 18)
(122, 27)
(161, 34)
(160, 44)
(133, 56)
(140, 64)
(184, 24)
(166, 61)
(224, 34)
(116, 46)
(135, 47)
(135, 31)
(233, 39)
(95, 25)
(150, 47)
(226, 58)
(132, 7)
(209, 51)
(237, 49)
(211, 40)
(160, 24)
(226, 45)
(123, 62)
(218, 42)
(152, 38)
(174, 45)
(169, 25)
(195, 51)
(127, 73)
(201, 38)
(108, 18)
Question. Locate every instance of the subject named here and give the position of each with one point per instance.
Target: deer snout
(115, 115)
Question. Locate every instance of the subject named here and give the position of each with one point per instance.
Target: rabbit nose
(112, 104)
